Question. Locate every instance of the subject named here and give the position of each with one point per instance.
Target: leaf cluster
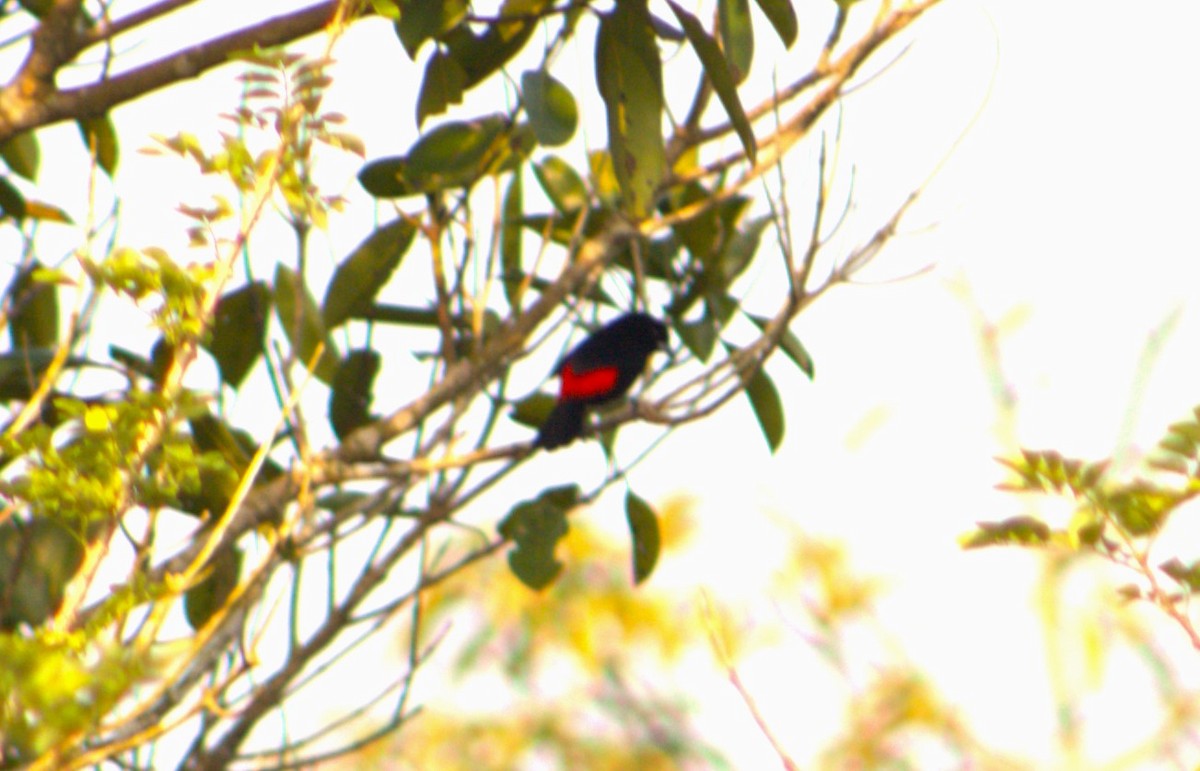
(1115, 519)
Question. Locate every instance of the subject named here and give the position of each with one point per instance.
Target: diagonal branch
(31, 101)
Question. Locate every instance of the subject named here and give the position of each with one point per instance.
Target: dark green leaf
(131, 361)
(561, 229)
(22, 154)
(629, 77)
(563, 186)
(226, 454)
(208, 596)
(363, 273)
(717, 67)
(533, 409)
(442, 86)
(740, 250)
(482, 55)
(511, 262)
(12, 202)
(21, 370)
(33, 318)
(386, 178)
(37, 561)
(162, 358)
(458, 153)
(790, 345)
(699, 336)
(551, 108)
(721, 307)
(421, 20)
(782, 16)
(350, 397)
(211, 433)
(100, 138)
(535, 527)
(643, 527)
(1014, 531)
(303, 325)
(239, 330)
(768, 409)
(737, 36)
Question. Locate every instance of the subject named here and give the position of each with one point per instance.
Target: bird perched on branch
(600, 369)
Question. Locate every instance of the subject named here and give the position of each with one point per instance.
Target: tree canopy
(136, 508)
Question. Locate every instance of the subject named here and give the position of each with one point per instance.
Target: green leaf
(100, 138)
(551, 108)
(707, 234)
(535, 527)
(12, 202)
(562, 229)
(22, 154)
(458, 153)
(699, 336)
(629, 77)
(131, 361)
(562, 184)
(33, 318)
(360, 276)
(1140, 508)
(724, 82)
(37, 561)
(442, 86)
(239, 330)
(511, 260)
(213, 434)
(739, 251)
(303, 325)
(421, 20)
(350, 397)
(1014, 531)
(386, 178)
(208, 596)
(482, 55)
(604, 177)
(782, 16)
(533, 410)
(1086, 527)
(21, 370)
(737, 36)
(643, 527)
(768, 409)
(790, 345)
(225, 454)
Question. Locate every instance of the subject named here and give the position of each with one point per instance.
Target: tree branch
(30, 100)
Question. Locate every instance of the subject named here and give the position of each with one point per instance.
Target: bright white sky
(1071, 200)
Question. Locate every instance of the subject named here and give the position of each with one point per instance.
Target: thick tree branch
(31, 101)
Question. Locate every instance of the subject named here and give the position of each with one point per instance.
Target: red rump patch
(586, 385)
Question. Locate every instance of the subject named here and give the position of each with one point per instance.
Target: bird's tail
(562, 426)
